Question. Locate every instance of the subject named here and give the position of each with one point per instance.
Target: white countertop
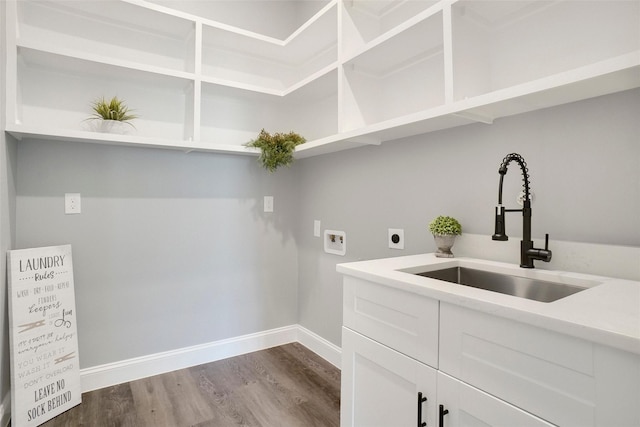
(608, 312)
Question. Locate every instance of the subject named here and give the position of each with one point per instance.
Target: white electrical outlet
(268, 203)
(72, 203)
(396, 238)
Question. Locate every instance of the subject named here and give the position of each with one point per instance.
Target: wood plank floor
(286, 386)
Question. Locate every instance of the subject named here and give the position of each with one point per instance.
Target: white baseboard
(323, 348)
(5, 410)
(154, 364)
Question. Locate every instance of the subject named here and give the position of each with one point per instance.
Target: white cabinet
(490, 371)
(355, 72)
(382, 387)
(565, 380)
(389, 339)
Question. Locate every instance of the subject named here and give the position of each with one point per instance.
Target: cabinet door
(469, 407)
(380, 386)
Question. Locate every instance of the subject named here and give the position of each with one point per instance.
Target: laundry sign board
(45, 369)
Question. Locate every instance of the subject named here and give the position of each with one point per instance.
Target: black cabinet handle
(421, 400)
(443, 412)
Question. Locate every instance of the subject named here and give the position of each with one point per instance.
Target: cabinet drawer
(562, 379)
(470, 407)
(402, 320)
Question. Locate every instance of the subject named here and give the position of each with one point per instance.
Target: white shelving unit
(509, 43)
(55, 91)
(395, 76)
(355, 72)
(264, 64)
(115, 31)
(363, 21)
(233, 115)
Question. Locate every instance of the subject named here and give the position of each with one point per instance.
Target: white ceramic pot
(113, 126)
(444, 243)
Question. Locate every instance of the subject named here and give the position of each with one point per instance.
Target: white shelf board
(208, 22)
(603, 78)
(438, 118)
(242, 86)
(305, 82)
(402, 35)
(314, 36)
(34, 133)
(63, 61)
(327, 145)
(32, 48)
(118, 29)
(123, 14)
(316, 86)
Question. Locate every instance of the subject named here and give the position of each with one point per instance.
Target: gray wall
(584, 162)
(173, 249)
(170, 250)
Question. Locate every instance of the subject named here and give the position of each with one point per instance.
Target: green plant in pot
(113, 114)
(444, 230)
(277, 149)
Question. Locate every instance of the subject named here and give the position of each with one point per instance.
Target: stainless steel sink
(538, 290)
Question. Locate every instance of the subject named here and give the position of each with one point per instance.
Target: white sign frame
(45, 366)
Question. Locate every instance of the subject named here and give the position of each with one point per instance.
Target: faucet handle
(540, 254)
(546, 254)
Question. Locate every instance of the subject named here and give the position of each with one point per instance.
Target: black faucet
(527, 252)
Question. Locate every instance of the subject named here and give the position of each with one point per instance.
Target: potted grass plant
(444, 230)
(112, 115)
(276, 150)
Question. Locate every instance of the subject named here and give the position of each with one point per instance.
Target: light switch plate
(316, 228)
(72, 203)
(268, 203)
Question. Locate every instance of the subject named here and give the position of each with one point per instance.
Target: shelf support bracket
(366, 140)
(475, 117)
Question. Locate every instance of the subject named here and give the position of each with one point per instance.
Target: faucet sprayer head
(502, 170)
(500, 233)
